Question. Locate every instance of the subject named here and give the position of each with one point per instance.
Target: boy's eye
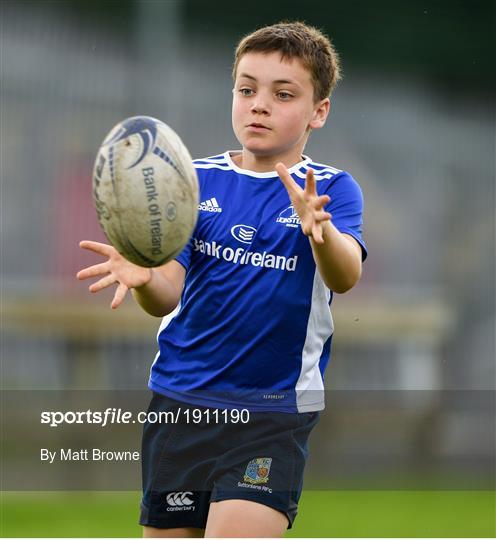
(245, 91)
(284, 95)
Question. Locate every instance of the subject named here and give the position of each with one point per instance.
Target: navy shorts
(187, 465)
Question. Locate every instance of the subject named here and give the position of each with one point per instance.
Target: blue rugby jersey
(253, 328)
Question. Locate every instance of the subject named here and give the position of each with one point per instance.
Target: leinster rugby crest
(257, 471)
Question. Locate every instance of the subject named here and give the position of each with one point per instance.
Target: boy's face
(273, 105)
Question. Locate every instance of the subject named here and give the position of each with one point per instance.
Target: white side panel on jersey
(164, 324)
(310, 386)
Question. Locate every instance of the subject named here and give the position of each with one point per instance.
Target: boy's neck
(251, 162)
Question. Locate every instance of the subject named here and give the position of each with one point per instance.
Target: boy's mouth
(256, 125)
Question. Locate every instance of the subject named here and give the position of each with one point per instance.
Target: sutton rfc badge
(257, 471)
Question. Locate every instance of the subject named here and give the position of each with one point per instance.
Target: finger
(93, 271)
(317, 234)
(102, 283)
(321, 201)
(292, 187)
(119, 296)
(320, 215)
(310, 186)
(97, 247)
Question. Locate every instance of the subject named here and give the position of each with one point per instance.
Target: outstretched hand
(308, 204)
(116, 269)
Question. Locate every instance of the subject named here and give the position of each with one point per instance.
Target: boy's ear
(320, 112)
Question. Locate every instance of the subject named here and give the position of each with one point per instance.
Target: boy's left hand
(307, 203)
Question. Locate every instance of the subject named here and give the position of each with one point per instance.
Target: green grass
(72, 514)
(321, 514)
(396, 513)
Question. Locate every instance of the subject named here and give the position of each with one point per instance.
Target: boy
(249, 325)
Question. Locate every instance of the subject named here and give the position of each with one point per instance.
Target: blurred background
(411, 401)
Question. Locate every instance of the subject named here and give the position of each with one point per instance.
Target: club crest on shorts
(257, 470)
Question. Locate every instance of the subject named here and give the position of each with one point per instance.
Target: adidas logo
(210, 205)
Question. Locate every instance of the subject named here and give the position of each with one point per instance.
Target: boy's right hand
(116, 269)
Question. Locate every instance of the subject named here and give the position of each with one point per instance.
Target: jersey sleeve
(184, 257)
(346, 207)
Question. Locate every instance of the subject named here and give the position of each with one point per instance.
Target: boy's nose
(260, 106)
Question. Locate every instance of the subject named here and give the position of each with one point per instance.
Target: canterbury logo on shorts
(179, 498)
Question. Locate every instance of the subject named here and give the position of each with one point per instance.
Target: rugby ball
(145, 191)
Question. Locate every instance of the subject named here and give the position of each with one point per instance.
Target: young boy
(249, 325)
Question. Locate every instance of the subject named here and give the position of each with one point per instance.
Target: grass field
(321, 514)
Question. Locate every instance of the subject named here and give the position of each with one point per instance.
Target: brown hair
(296, 40)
